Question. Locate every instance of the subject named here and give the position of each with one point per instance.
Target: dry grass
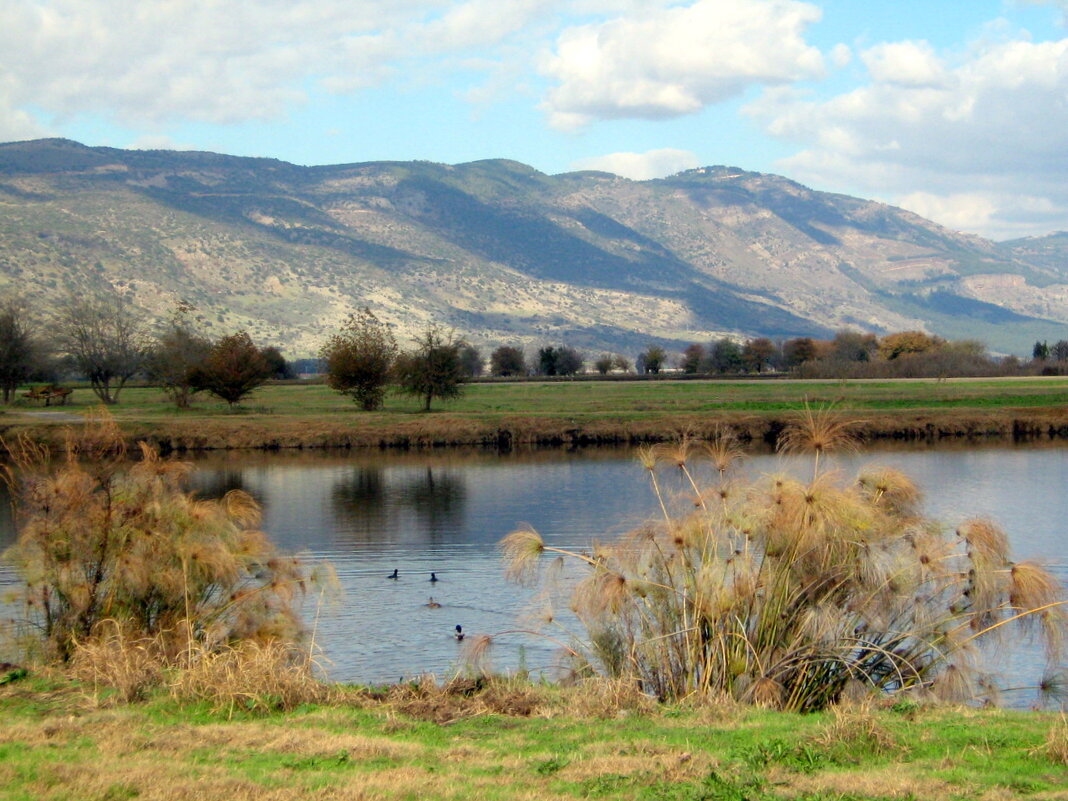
(251, 676)
(855, 730)
(1056, 746)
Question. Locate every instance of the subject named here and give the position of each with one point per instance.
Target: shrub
(789, 594)
(359, 359)
(232, 369)
(101, 539)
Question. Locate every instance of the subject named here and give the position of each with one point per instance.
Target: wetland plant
(795, 594)
(106, 542)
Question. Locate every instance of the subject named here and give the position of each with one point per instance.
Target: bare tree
(19, 350)
(177, 354)
(106, 340)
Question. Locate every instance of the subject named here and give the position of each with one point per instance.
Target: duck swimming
(393, 575)
(459, 632)
(433, 604)
(434, 577)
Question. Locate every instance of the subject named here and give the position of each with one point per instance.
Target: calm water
(369, 514)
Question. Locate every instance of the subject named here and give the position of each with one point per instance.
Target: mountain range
(503, 254)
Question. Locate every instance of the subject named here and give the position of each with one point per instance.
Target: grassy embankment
(310, 415)
(513, 741)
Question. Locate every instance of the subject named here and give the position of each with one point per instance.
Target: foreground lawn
(59, 741)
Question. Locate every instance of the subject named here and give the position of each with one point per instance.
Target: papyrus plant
(102, 537)
(790, 593)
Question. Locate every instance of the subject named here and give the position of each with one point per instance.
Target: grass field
(312, 414)
(61, 741)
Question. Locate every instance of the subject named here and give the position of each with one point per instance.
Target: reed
(797, 594)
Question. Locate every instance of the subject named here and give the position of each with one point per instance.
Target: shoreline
(447, 430)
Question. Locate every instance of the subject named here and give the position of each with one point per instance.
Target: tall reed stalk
(790, 594)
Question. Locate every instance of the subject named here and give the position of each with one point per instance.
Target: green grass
(562, 399)
(309, 413)
(73, 747)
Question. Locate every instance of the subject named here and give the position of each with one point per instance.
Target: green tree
(433, 369)
(604, 363)
(853, 346)
(19, 349)
(470, 360)
(233, 368)
(508, 360)
(653, 359)
(547, 361)
(1040, 350)
(725, 356)
(280, 368)
(358, 361)
(105, 338)
(568, 361)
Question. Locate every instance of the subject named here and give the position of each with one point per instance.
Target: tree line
(102, 338)
(105, 340)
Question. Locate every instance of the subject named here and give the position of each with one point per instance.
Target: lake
(444, 512)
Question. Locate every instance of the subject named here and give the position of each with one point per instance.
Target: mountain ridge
(503, 253)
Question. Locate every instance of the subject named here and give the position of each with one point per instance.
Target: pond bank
(443, 429)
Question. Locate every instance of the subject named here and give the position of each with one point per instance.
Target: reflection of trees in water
(216, 483)
(7, 518)
(370, 505)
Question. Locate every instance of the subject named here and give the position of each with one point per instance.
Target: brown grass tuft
(252, 676)
(855, 730)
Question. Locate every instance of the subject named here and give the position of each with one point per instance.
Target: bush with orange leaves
(104, 538)
(794, 593)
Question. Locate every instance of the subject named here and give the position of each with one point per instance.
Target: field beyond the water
(60, 741)
(304, 414)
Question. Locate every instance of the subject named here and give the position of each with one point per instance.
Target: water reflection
(372, 504)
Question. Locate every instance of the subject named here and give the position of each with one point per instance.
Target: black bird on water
(433, 577)
(393, 575)
(459, 632)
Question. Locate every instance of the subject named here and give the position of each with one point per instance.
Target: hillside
(503, 253)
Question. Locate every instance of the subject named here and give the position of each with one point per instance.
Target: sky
(954, 109)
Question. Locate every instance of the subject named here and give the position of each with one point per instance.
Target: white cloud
(222, 62)
(992, 127)
(676, 60)
(642, 166)
(905, 64)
